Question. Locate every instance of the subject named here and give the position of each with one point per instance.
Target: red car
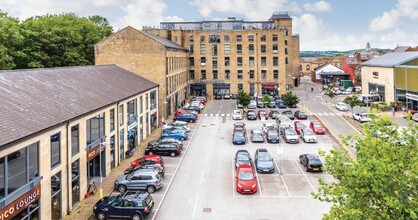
(245, 179)
(317, 127)
(262, 113)
(299, 126)
(148, 159)
(180, 111)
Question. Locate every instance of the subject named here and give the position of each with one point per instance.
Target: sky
(321, 25)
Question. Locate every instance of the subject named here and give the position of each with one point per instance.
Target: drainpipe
(69, 172)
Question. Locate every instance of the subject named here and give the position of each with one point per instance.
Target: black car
(292, 106)
(171, 149)
(242, 157)
(166, 140)
(263, 161)
(300, 115)
(218, 96)
(193, 108)
(311, 162)
(274, 114)
(289, 114)
(272, 104)
(234, 96)
(272, 136)
(157, 167)
(132, 205)
(251, 115)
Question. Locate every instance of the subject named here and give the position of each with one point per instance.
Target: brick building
(228, 55)
(152, 57)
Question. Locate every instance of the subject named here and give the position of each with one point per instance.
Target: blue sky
(321, 24)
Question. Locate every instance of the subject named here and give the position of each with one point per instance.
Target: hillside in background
(334, 53)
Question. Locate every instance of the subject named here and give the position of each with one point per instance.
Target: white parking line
(169, 165)
(201, 178)
(222, 115)
(216, 115)
(233, 178)
(207, 155)
(305, 176)
(258, 183)
(281, 176)
(210, 115)
(320, 114)
(326, 114)
(335, 181)
(205, 115)
(195, 205)
(332, 114)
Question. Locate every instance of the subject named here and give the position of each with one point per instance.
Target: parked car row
(263, 113)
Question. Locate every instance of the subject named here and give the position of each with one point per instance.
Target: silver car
(148, 180)
(307, 135)
(341, 106)
(290, 135)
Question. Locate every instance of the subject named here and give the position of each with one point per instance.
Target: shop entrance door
(93, 168)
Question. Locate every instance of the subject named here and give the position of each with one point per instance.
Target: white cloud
(391, 19)
(248, 9)
(173, 18)
(320, 6)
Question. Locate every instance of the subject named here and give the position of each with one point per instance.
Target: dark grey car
(263, 161)
(272, 136)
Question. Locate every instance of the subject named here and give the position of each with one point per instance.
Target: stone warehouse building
(152, 57)
(228, 55)
(61, 128)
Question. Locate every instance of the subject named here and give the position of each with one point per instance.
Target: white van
(367, 99)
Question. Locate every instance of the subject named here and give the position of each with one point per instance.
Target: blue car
(178, 134)
(132, 205)
(238, 137)
(281, 104)
(186, 117)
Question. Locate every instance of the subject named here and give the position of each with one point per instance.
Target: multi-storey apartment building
(229, 55)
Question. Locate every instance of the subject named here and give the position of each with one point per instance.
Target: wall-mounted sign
(411, 96)
(94, 152)
(20, 204)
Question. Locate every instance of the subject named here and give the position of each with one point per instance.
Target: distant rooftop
(280, 15)
(392, 59)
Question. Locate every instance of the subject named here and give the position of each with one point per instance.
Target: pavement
(85, 208)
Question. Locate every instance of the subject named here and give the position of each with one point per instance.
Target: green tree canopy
(330, 93)
(266, 99)
(352, 101)
(243, 98)
(290, 99)
(382, 182)
(10, 40)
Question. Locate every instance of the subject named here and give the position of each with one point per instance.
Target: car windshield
(316, 125)
(129, 176)
(315, 162)
(272, 134)
(308, 132)
(237, 112)
(242, 157)
(264, 157)
(245, 176)
(258, 135)
(251, 113)
(239, 134)
(290, 132)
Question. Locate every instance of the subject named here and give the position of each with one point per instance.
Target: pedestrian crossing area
(326, 114)
(229, 115)
(217, 115)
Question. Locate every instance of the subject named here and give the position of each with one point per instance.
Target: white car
(177, 124)
(197, 103)
(269, 126)
(252, 105)
(237, 115)
(307, 135)
(341, 106)
(362, 117)
(347, 91)
(415, 117)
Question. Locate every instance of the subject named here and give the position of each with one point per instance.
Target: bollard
(101, 193)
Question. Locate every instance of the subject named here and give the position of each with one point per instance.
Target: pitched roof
(392, 59)
(401, 48)
(36, 99)
(164, 41)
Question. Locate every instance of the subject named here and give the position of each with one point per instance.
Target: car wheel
(150, 153)
(150, 189)
(122, 188)
(191, 121)
(173, 154)
(137, 216)
(101, 215)
(182, 139)
(306, 168)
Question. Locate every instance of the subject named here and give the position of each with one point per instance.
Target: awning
(269, 87)
(333, 74)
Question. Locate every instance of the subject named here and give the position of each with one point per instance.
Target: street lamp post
(102, 144)
(280, 152)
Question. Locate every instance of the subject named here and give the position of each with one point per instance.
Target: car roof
(262, 150)
(242, 152)
(146, 171)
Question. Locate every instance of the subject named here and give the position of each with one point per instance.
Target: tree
(10, 41)
(266, 99)
(352, 101)
(330, 94)
(381, 183)
(243, 98)
(290, 99)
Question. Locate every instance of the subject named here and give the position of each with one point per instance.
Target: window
(275, 74)
(239, 74)
(191, 61)
(202, 38)
(112, 120)
(250, 38)
(226, 61)
(239, 61)
(240, 86)
(121, 145)
(226, 48)
(263, 74)
(263, 48)
(285, 42)
(251, 73)
(285, 50)
(203, 61)
(275, 61)
(214, 38)
(226, 38)
(275, 37)
(251, 48)
(214, 50)
(191, 74)
(146, 102)
(227, 74)
(191, 38)
(176, 38)
(275, 49)
(239, 48)
(251, 61)
(263, 61)
(55, 149)
(75, 182)
(75, 145)
(239, 38)
(215, 74)
(203, 74)
(141, 109)
(286, 32)
(120, 115)
(263, 37)
(202, 49)
(286, 60)
(131, 111)
(308, 67)
(94, 129)
(191, 48)
(215, 63)
(56, 196)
